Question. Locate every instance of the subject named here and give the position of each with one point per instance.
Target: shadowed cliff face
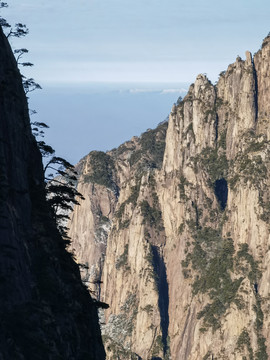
(185, 246)
(45, 310)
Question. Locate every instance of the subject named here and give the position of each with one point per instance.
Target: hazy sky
(78, 47)
(137, 40)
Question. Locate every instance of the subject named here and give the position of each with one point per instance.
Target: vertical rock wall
(186, 269)
(46, 312)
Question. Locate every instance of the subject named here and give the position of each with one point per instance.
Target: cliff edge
(46, 312)
(178, 220)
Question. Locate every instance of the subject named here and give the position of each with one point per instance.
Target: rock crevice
(189, 231)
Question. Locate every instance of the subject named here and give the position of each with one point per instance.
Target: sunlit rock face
(185, 211)
(45, 312)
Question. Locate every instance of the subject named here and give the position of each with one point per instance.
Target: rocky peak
(266, 41)
(186, 265)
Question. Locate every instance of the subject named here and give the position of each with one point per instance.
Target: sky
(137, 40)
(100, 116)
(111, 47)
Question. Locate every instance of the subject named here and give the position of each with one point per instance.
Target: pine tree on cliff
(61, 182)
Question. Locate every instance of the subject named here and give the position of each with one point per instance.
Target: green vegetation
(249, 267)
(122, 260)
(132, 199)
(122, 149)
(153, 141)
(219, 102)
(265, 204)
(182, 184)
(214, 163)
(210, 112)
(119, 213)
(149, 258)
(248, 165)
(212, 259)
(158, 346)
(189, 130)
(61, 190)
(135, 157)
(222, 73)
(134, 194)
(252, 271)
(181, 228)
(222, 291)
(259, 314)
(211, 262)
(151, 215)
(102, 167)
(207, 355)
(255, 146)
(222, 139)
(124, 224)
(152, 184)
(244, 341)
(103, 220)
(250, 169)
(148, 309)
(61, 180)
(261, 353)
(264, 43)
(179, 101)
(152, 146)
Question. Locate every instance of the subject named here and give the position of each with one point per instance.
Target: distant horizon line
(133, 87)
(122, 82)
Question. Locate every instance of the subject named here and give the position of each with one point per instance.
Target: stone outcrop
(46, 311)
(185, 265)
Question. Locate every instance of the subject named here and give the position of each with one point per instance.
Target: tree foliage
(19, 53)
(30, 85)
(61, 179)
(18, 30)
(60, 176)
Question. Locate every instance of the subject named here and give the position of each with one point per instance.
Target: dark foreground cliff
(45, 311)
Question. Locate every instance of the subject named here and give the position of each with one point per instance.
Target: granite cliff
(46, 312)
(174, 234)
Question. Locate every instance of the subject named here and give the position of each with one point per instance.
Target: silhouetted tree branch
(61, 190)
